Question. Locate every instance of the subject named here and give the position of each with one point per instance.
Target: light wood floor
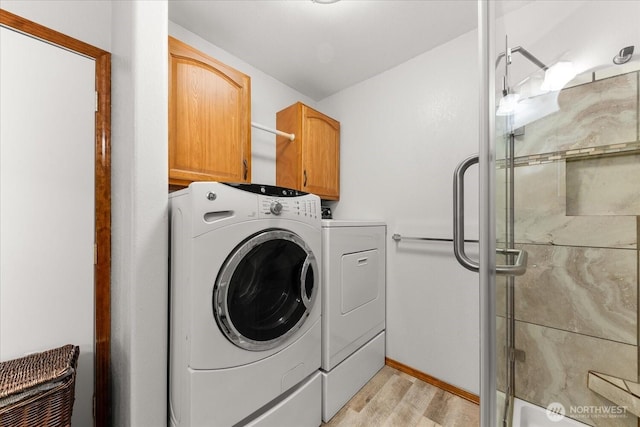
(395, 399)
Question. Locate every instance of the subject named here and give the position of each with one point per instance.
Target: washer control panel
(273, 201)
(302, 207)
(266, 190)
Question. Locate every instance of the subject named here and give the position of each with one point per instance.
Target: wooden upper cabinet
(311, 162)
(209, 119)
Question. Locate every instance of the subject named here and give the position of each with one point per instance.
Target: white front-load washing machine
(353, 308)
(245, 329)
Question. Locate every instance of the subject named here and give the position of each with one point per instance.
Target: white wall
(34, 76)
(139, 346)
(87, 20)
(268, 96)
(402, 134)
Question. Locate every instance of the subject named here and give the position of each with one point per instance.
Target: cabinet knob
(304, 182)
(246, 169)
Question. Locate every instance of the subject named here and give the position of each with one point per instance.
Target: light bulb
(558, 75)
(508, 104)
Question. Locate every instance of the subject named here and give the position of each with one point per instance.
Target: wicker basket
(38, 390)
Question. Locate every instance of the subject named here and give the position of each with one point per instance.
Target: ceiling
(320, 49)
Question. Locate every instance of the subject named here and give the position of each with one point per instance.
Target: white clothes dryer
(353, 308)
(245, 329)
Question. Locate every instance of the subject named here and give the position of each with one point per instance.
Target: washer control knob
(276, 208)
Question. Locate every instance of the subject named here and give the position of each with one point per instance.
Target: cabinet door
(209, 119)
(320, 155)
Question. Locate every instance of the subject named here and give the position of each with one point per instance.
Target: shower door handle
(458, 214)
(518, 268)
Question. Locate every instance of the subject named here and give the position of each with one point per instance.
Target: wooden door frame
(102, 194)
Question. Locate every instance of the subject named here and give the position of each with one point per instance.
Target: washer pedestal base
(300, 407)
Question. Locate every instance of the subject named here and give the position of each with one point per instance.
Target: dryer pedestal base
(343, 382)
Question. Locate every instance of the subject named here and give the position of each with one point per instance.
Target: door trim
(102, 192)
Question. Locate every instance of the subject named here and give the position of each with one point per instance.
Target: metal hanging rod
(290, 136)
(398, 237)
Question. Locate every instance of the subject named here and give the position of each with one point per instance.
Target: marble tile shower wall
(577, 210)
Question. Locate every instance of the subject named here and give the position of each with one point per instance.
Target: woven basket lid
(38, 368)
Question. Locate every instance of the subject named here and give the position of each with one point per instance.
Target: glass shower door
(559, 171)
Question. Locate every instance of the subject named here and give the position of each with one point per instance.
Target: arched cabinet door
(209, 119)
(311, 163)
(320, 158)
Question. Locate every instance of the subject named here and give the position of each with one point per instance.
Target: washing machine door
(265, 289)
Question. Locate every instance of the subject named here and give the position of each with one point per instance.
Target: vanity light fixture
(555, 76)
(558, 75)
(508, 104)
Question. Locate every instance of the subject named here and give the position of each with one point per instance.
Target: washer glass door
(265, 289)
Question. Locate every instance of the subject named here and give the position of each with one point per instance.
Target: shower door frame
(487, 215)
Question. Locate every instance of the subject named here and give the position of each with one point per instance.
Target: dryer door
(265, 289)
